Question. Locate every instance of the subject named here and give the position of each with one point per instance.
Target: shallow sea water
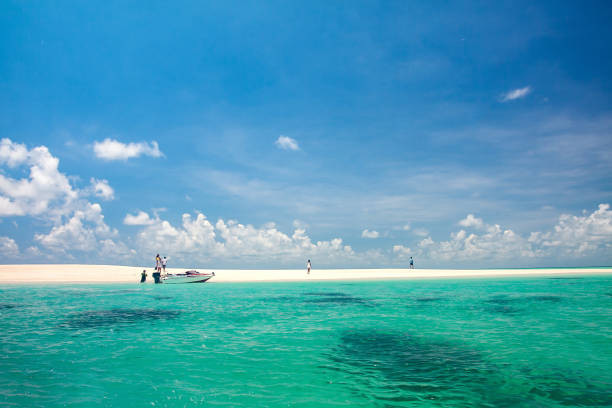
(532, 342)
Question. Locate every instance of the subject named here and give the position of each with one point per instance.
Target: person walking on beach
(308, 266)
(164, 262)
(411, 263)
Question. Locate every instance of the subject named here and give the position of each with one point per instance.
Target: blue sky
(261, 134)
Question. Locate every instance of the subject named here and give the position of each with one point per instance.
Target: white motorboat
(187, 277)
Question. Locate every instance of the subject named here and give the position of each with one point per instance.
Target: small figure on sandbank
(157, 273)
(164, 262)
(308, 266)
(143, 276)
(411, 263)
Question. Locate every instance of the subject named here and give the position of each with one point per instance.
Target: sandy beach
(15, 274)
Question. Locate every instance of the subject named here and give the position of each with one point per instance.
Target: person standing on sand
(411, 263)
(308, 266)
(157, 273)
(164, 262)
(158, 263)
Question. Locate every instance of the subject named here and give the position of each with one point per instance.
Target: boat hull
(190, 277)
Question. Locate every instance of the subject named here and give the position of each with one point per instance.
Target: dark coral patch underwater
(337, 298)
(409, 367)
(505, 300)
(392, 368)
(118, 316)
(6, 306)
(512, 305)
(566, 390)
(428, 299)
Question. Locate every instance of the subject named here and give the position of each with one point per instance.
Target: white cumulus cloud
(102, 189)
(421, 232)
(48, 195)
(496, 244)
(369, 234)
(578, 235)
(110, 149)
(572, 237)
(516, 94)
(13, 154)
(45, 186)
(401, 251)
(142, 218)
(199, 240)
(8, 248)
(287, 143)
(80, 232)
(471, 222)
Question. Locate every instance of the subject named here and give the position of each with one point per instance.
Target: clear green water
(492, 342)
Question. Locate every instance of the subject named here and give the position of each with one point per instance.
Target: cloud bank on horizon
(363, 135)
(78, 230)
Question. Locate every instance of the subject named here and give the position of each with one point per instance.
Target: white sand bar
(131, 274)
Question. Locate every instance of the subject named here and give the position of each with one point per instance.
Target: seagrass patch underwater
(471, 342)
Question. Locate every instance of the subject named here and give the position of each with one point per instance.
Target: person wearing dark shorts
(157, 277)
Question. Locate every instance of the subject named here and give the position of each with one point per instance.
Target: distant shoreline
(71, 273)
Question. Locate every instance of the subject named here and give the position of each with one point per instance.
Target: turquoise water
(490, 342)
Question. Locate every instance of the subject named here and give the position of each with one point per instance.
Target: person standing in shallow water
(411, 263)
(308, 266)
(143, 276)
